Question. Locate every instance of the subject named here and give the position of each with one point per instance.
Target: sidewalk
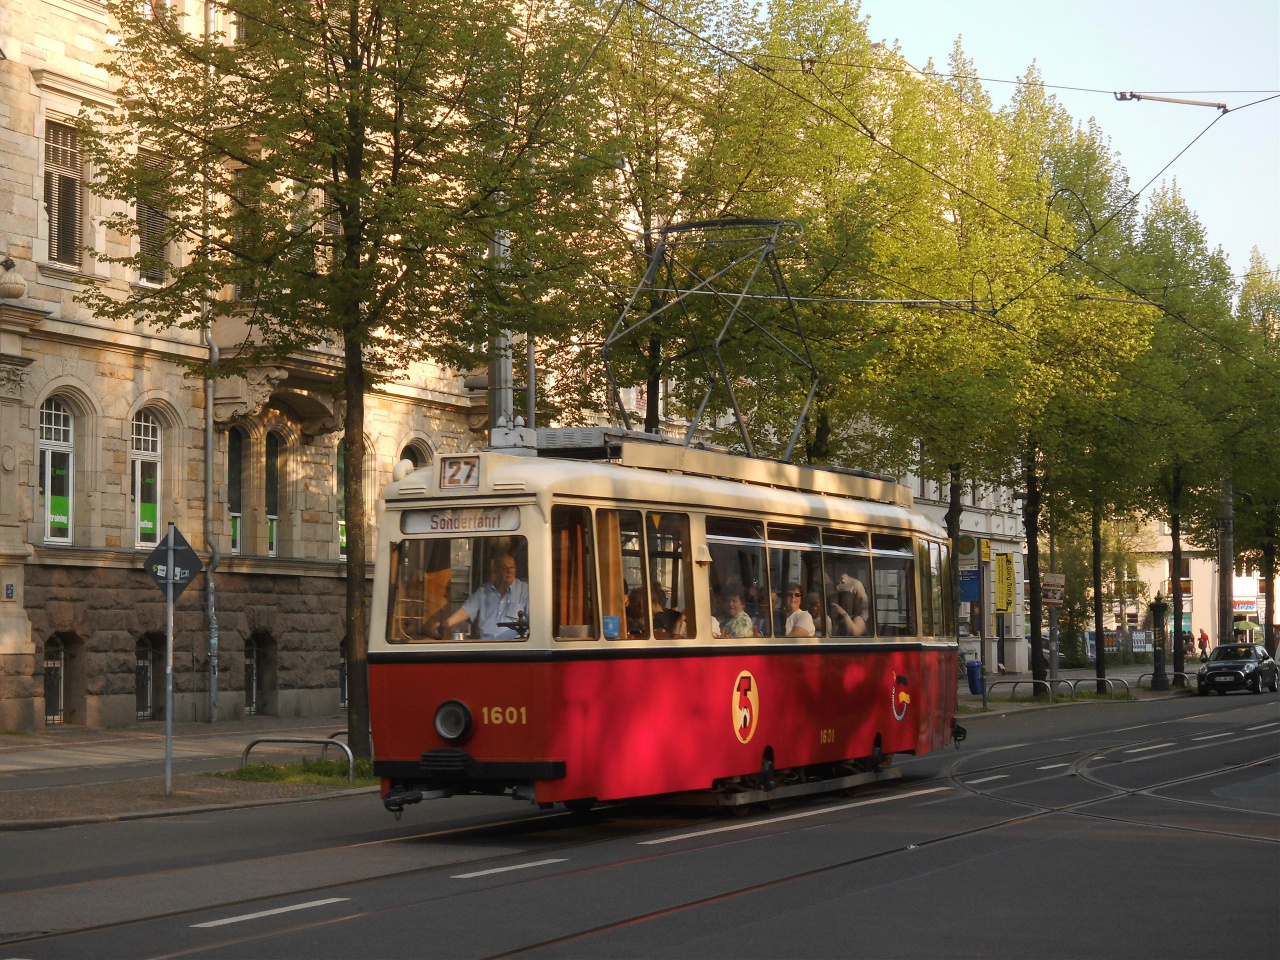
(69, 775)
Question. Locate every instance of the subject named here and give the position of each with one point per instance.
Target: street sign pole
(168, 667)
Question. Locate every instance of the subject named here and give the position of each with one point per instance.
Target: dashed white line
(1265, 725)
(518, 866)
(1054, 766)
(792, 816)
(1155, 746)
(269, 913)
(998, 776)
(1213, 736)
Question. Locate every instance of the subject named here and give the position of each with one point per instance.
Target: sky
(1230, 177)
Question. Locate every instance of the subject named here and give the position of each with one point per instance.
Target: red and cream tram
(661, 620)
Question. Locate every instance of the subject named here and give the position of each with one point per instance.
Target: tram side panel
(641, 726)
(637, 726)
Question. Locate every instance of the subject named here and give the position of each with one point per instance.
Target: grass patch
(325, 773)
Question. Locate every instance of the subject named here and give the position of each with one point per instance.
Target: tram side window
(942, 575)
(670, 575)
(572, 574)
(452, 590)
(893, 563)
(846, 574)
(940, 588)
(623, 595)
(738, 577)
(795, 569)
(927, 619)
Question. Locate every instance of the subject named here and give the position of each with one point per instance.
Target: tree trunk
(653, 394)
(955, 509)
(357, 633)
(1226, 563)
(1175, 560)
(1269, 593)
(1099, 646)
(1031, 524)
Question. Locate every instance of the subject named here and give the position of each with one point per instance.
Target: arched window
(235, 486)
(55, 662)
(57, 439)
(411, 454)
(273, 494)
(144, 451)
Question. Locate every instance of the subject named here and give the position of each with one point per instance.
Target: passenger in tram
(849, 612)
(821, 622)
(795, 620)
(637, 622)
(737, 622)
(667, 622)
(503, 600)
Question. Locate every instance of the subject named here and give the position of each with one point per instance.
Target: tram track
(950, 778)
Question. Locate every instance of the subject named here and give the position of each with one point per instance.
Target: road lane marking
(792, 816)
(269, 913)
(1054, 766)
(518, 866)
(1156, 746)
(1264, 726)
(998, 776)
(1213, 736)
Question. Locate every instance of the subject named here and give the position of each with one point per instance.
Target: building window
(411, 454)
(235, 486)
(62, 177)
(342, 500)
(55, 661)
(252, 674)
(145, 492)
(273, 494)
(152, 227)
(56, 455)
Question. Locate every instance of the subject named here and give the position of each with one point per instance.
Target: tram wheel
(581, 805)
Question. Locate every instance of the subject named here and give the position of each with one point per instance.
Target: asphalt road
(1098, 829)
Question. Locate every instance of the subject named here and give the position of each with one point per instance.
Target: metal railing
(1111, 684)
(326, 743)
(1173, 673)
(1047, 684)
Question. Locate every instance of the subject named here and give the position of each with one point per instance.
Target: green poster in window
(147, 522)
(148, 501)
(59, 516)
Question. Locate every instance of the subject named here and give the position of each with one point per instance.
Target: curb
(55, 822)
(1067, 702)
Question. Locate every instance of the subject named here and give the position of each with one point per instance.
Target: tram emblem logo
(746, 706)
(901, 698)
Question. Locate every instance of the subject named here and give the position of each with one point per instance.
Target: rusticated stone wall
(100, 614)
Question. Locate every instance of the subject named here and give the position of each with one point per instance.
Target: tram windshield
(455, 589)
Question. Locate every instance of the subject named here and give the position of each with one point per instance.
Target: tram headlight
(453, 721)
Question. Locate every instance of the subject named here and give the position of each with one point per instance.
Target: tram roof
(679, 476)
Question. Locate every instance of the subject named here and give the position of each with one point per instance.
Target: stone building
(102, 445)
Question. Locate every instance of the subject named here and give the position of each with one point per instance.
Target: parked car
(1236, 666)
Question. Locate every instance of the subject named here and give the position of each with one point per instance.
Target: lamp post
(1158, 608)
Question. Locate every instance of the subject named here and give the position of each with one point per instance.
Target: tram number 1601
(499, 715)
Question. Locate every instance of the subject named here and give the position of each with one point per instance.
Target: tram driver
(502, 601)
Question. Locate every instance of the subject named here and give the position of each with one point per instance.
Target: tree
(333, 176)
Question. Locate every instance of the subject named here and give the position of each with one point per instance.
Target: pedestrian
(1204, 645)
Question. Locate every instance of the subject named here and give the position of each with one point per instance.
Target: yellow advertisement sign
(1004, 582)
(986, 549)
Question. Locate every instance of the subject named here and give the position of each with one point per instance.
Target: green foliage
(329, 773)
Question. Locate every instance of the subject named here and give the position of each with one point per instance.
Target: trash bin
(974, 669)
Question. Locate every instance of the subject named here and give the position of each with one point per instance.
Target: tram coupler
(958, 733)
(396, 801)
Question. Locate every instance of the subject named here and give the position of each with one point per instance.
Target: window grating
(55, 422)
(146, 433)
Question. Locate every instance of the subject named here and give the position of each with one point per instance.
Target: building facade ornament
(236, 398)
